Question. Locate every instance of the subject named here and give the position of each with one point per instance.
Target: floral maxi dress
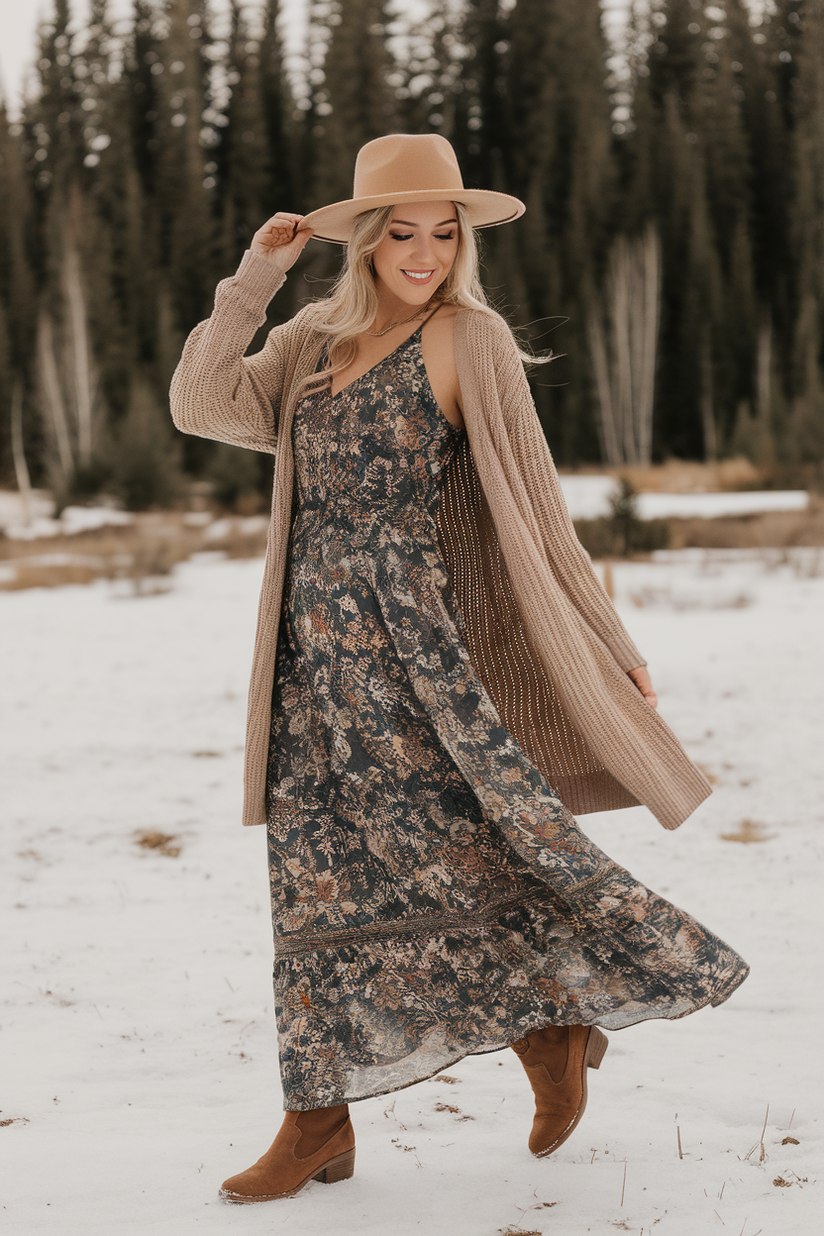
(431, 895)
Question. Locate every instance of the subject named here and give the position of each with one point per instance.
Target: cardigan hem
(593, 791)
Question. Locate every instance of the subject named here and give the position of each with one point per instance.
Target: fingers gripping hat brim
(484, 208)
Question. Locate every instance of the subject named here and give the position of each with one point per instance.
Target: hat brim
(484, 208)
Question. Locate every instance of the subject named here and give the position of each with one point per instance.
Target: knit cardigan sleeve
(216, 391)
(569, 561)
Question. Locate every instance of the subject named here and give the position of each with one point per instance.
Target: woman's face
(417, 252)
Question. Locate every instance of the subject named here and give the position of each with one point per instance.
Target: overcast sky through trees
(18, 25)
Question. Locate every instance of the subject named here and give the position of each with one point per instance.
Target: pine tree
(282, 135)
(807, 442)
(689, 171)
(729, 198)
(480, 126)
(187, 233)
(53, 119)
(428, 75)
(56, 133)
(19, 430)
(557, 156)
(241, 155)
(355, 103)
(142, 67)
(98, 233)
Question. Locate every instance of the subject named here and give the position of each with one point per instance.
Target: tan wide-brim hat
(409, 167)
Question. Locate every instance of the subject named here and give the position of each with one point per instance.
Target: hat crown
(406, 163)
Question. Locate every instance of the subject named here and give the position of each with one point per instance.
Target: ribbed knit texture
(542, 632)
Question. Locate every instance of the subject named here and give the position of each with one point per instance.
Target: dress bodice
(379, 445)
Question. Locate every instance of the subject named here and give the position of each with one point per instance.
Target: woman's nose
(422, 254)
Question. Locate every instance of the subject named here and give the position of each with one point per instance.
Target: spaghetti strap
(439, 305)
(324, 358)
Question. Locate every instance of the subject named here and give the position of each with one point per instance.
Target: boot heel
(342, 1167)
(597, 1045)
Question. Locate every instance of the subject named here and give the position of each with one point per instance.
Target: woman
(439, 681)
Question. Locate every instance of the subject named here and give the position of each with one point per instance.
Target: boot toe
(246, 1186)
(547, 1135)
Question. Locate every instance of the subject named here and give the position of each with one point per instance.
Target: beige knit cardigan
(541, 632)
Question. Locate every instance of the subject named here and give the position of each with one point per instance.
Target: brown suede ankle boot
(313, 1145)
(556, 1060)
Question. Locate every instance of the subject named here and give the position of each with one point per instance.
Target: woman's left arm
(571, 564)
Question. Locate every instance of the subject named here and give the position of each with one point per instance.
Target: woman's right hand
(280, 241)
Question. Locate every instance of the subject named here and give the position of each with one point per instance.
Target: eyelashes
(408, 235)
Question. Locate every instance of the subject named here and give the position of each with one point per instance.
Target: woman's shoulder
(487, 340)
(307, 316)
(489, 350)
(486, 324)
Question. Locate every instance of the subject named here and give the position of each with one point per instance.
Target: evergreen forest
(672, 252)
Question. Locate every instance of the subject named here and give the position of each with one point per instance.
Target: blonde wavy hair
(352, 304)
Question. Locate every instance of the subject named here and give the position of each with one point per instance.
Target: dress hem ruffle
(604, 1023)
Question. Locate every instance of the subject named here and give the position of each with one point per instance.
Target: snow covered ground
(139, 1052)
(587, 497)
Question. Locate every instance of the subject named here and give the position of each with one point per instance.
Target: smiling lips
(418, 276)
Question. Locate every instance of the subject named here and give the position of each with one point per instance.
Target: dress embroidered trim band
(420, 925)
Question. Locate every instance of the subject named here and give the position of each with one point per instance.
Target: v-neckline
(388, 356)
(377, 364)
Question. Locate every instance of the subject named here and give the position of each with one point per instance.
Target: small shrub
(597, 537)
(235, 477)
(145, 465)
(622, 532)
(87, 481)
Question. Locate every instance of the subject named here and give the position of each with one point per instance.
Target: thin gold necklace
(376, 334)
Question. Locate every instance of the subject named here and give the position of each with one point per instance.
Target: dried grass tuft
(143, 553)
(749, 832)
(34, 574)
(769, 530)
(162, 843)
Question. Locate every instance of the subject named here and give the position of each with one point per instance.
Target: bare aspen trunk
(18, 450)
(763, 370)
(52, 394)
(80, 352)
(648, 338)
(600, 363)
(627, 316)
(620, 295)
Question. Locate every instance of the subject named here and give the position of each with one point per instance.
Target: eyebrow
(404, 223)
